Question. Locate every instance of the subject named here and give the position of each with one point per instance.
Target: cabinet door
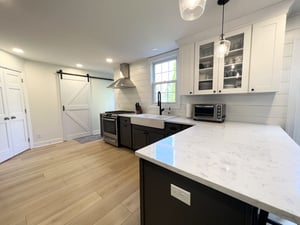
(186, 68)
(154, 137)
(234, 68)
(139, 137)
(266, 55)
(206, 68)
(172, 128)
(125, 132)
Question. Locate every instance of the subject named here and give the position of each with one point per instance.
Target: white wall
(10, 61)
(268, 108)
(292, 57)
(44, 107)
(103, 99)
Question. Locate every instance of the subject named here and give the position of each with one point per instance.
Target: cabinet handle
(191, 92)
(252, 89)
(220, 91)
(13, 117)
(6, 118)
(214, 91)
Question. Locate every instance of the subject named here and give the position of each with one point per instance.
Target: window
(164, 79)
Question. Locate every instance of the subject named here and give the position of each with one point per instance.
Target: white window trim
(161, 58)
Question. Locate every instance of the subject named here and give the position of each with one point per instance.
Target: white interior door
(75, 98)
(5, 139)
(16, 111)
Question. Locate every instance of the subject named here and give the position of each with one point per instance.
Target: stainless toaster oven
(209, 112)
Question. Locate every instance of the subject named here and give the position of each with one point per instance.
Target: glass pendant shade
(223, 48)
(191, 9)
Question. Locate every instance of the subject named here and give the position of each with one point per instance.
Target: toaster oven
(209, 112)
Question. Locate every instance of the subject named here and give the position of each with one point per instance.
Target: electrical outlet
(181, 194)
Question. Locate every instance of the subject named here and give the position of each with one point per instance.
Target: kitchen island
(239, 167)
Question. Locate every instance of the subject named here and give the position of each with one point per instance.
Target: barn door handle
(6, 118)
(13, 117)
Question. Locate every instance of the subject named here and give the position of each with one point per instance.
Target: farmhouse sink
(150, 120)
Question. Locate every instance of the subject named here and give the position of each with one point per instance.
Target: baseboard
(96, 132)
(47, 142)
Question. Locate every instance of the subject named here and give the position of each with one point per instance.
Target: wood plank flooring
(71, 184)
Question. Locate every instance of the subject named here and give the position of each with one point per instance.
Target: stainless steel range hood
(124, 81)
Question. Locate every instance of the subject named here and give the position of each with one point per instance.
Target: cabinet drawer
(172, 127)
(125, 120)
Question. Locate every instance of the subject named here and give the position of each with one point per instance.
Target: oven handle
(112, 120)
(204, 106)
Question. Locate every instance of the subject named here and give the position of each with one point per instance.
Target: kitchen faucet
(159, 103)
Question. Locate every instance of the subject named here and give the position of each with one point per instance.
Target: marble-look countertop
(258, 164)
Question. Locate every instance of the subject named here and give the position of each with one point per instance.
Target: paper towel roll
(188, 111)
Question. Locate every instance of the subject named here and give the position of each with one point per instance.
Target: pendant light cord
(222, 34)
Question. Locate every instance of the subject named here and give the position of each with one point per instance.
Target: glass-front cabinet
(206, 68)
(223, 75)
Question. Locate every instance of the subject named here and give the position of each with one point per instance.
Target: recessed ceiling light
(154, 49)
(79, 65)
(18, 50)
(109, 60)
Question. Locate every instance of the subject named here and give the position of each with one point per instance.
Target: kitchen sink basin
(150, 120)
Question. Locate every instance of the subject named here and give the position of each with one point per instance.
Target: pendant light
(191, 9)
(223, 45)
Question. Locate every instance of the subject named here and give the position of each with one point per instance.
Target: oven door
(204, 112)
(110, 127)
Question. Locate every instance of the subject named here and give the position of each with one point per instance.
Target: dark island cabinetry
(207, 206)
(143, 136)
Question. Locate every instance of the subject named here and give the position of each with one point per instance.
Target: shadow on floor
(86, 139)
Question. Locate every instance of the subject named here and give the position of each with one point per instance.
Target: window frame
(160, 59)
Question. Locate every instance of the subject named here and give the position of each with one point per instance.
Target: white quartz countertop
(166, 118)
(258, 164)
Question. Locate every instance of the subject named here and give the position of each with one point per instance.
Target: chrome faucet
(159, 103)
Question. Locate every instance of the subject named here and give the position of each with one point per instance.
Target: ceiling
(66, 32)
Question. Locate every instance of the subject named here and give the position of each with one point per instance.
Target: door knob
(13, 117)
(6, 118)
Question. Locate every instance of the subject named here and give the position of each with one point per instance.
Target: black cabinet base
(208, 206)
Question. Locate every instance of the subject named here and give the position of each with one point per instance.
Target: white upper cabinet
(206, 68)
(223, 75)
(266, 55)
(253, 64)
(186, 69)
(234, 68)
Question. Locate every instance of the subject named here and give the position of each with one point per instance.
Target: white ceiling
(66, 32)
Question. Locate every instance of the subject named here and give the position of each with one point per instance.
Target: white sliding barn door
(75, 99)
(13, 123)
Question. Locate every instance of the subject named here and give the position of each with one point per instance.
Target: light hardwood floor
(71, 183)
